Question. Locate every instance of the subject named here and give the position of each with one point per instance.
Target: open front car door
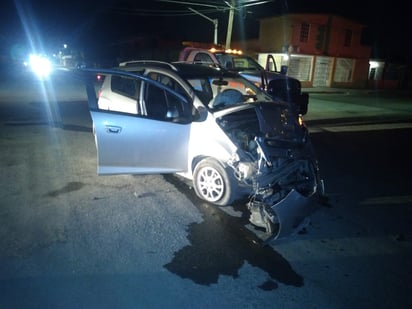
(135, 127)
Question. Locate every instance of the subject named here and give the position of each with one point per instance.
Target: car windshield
(220, 92)
(238, 63)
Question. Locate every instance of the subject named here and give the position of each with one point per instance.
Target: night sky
(95, 24)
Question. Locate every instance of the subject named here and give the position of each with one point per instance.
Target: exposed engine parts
(283, 175)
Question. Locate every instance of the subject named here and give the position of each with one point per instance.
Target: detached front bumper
(292, 213)
(285, 218)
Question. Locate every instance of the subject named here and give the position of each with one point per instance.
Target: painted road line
(359, 127)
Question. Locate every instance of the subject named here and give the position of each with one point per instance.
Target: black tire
(214, 183)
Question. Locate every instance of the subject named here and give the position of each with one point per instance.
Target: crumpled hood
(275, 121)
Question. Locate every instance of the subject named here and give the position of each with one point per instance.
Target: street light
(231, 6)
(214, 21)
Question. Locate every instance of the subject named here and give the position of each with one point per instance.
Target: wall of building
(322, 59)
(274, 33)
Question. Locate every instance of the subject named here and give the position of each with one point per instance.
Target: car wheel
(214, 183)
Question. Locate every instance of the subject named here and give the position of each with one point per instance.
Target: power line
(203, 8)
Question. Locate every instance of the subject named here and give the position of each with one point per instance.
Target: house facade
(320, 50)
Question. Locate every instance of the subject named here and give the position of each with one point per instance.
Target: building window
(343, 70)
(304, 32)
(348, 38)
(300, 67)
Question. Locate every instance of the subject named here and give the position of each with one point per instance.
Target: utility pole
(230, 23)
(214, 21)
(232, 7)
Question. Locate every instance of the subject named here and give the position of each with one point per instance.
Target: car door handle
(113, 129)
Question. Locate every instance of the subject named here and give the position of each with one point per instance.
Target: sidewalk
(328, 90)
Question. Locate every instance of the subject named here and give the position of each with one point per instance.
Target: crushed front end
(277, 162)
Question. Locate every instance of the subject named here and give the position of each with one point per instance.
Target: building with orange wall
(320, 50)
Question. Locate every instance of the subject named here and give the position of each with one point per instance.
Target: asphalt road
(72, 239)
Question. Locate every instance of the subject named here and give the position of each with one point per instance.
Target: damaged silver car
(214, 128)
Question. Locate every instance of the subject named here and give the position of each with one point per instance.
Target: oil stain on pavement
(70, 187)
(221, 244)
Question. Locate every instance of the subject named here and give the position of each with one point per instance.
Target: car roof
(183, 69)
(189, 70)
(130, 65)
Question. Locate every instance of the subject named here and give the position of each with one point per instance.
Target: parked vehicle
(212, 127)
(282, 87)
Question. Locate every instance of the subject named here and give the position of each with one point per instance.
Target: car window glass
(225, 60)
(168, 81)
(120, 94)
(244, 63)
(202, 89)
(216, 86)
(155, 101)
(164, 105)
(177, 109)
(125, 86)
(203, 58)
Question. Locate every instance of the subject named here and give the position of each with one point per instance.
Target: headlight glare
(40, 65)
